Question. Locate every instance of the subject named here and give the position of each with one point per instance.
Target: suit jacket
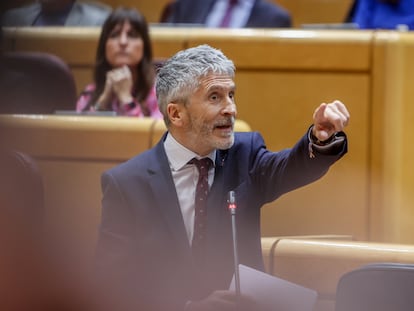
(143, 247)
(375, 14)
(263, 14)
(81, 14)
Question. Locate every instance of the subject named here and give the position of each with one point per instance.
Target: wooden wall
(282, 75)
(316, 11)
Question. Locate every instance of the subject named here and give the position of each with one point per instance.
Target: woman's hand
(122, 84)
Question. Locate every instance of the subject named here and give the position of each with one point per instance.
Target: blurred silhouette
(57, 13)
(226, 13)
(35, 83)
(39, 269)
(21, 186)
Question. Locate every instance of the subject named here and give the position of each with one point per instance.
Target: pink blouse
(124, 110)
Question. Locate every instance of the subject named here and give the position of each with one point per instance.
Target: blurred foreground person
(39, 269)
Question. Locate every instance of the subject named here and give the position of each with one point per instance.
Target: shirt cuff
(333, 145)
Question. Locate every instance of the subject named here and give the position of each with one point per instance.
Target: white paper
(273, 293)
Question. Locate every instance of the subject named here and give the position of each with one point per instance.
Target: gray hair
(180, 76)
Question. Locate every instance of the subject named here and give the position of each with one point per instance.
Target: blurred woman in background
(124, 71)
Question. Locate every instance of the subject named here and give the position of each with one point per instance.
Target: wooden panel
(269, 245)
(76, 137)
(392, 166)
(76, 45)
(289, 49)
(167, 41)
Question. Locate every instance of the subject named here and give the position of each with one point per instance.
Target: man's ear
(175, 113)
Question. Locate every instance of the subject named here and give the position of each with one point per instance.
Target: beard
(217, 135)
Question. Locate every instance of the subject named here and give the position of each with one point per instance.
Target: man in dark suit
(210, 13)
(150, 221)
(57, 13)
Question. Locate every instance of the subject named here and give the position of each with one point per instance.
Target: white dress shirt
(240, 14)
(185, 178)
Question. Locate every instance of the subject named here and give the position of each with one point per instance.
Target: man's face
(208, 120)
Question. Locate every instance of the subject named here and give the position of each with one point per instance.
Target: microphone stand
(232, 207)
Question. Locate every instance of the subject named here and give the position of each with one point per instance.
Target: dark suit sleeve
(189, 11)
(288, 169)
(269, 15)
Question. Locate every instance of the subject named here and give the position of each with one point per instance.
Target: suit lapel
(161, 181)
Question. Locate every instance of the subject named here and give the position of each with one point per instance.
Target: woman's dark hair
(145, 69)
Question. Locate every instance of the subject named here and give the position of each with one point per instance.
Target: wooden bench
(319, 262)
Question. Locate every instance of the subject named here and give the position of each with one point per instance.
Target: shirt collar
(178, 155)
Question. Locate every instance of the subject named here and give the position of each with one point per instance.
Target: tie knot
(203, 165)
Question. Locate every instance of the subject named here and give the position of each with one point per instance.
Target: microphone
(232, 207)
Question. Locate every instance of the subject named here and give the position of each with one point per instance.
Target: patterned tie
(227, 16)
(200, 217)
